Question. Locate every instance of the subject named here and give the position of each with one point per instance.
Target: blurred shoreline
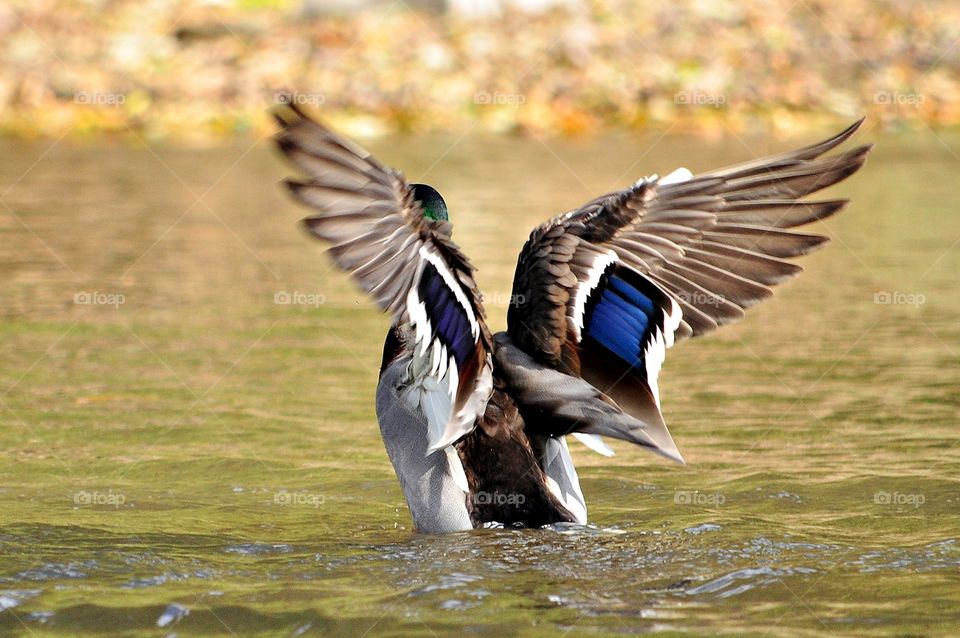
(204, 71)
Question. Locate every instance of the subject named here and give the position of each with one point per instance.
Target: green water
(187, 456)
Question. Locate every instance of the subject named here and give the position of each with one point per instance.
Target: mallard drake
(475, 424)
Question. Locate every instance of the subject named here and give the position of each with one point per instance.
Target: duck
(477, 425)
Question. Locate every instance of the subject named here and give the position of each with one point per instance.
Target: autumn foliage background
(207, 70)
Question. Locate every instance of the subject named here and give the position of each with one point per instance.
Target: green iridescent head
(431, 202)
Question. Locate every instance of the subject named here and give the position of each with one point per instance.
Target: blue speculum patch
(446, 314)
(620, 319)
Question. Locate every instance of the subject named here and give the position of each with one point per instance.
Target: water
(184, 455)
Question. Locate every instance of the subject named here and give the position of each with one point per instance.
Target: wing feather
(661, 260)
(405, 261)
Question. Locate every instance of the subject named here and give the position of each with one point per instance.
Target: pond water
(189, 445)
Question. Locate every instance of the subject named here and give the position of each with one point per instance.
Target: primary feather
(406, 261)
(608, 287)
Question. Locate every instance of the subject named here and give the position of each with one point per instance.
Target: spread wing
(601, 292)
(405, 261)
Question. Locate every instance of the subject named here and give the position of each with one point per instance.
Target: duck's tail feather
(555, 404)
